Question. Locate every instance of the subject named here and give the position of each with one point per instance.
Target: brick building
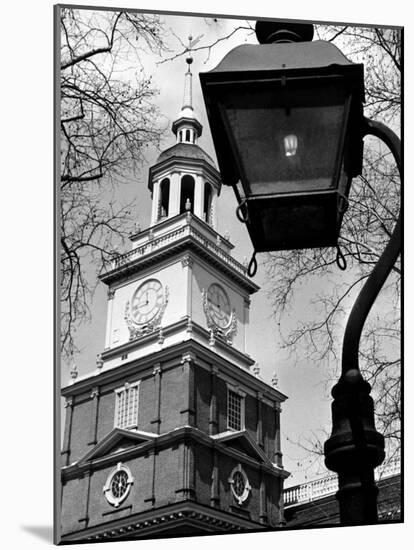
(172, 433)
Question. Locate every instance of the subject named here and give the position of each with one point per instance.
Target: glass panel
(287, 141)
(119, 484)
(234, 410)
(238, 484)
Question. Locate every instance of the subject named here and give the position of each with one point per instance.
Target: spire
(186, 127)
(188, 86)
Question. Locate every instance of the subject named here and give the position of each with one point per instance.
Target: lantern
(286, 122)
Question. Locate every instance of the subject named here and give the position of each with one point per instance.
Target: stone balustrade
(185, 231)
(319, 488)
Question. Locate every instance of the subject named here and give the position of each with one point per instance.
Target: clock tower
(172, 433)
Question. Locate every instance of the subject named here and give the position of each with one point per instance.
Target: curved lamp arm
(381, 270)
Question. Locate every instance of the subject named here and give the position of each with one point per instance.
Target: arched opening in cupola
(164, 201)
(187, 193)
(188, 136)
(208, 198)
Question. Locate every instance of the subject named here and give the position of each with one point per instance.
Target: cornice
(153, 522)
(171, 356)
(185, 162)
(189, 121)
(195, 220)
(183, 244)
(166, 440)
(144, 340)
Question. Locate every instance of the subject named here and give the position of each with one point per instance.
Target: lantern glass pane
(286, 143)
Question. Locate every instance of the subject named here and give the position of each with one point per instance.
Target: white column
(198, 196)
(214, 209)
(155, 201)
(111, 294)
(175, 190)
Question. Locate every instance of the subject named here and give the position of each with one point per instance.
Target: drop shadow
(43, 532)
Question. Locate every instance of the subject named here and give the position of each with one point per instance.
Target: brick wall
(177, 471)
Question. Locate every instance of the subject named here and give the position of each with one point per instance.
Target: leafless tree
(373, 209)
(107, 121)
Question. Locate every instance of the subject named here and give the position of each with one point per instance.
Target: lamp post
(287, 122)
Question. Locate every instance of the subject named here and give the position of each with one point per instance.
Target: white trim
(108, 330)
(244, 390)
(155, 200)
(110, 497)
(242, 396)
(247, 487)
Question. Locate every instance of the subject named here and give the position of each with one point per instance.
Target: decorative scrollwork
(229, 332)
(187, 261)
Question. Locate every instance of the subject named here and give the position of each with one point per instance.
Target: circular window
(118, 484)
(240, 486)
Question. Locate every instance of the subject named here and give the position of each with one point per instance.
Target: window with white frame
(235, 409)
(126, 406)
(118, 484)
(239, 483)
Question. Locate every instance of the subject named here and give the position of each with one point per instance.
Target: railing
(218, 251)
(152, 244)
(176, 235)
(319, 488)
(312, 490)
(390, 468)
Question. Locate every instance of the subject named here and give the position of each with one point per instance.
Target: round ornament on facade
(118, 485)
(239, 484)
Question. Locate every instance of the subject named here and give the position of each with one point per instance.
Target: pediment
(117, 441)
(242, 442)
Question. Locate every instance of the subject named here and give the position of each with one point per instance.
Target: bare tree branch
(106, 123)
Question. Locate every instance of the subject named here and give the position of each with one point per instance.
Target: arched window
(208, 196)
(164, 199)
(180, 134)
(188, 135)
(187, 193)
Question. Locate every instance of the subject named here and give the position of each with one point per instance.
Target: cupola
(184, 177)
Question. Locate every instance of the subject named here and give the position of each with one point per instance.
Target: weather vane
(191, 43)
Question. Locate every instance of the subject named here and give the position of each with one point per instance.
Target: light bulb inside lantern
(291, 145)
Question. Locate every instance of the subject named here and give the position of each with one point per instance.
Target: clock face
(147, 301)
(219, 306)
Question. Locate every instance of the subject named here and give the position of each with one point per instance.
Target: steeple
(188, 86)
(186, 127)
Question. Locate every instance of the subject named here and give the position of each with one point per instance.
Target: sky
(306, 413)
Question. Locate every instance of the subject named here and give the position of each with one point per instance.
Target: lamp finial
(272, 32)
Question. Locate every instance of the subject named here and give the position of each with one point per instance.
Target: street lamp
(287, 122)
